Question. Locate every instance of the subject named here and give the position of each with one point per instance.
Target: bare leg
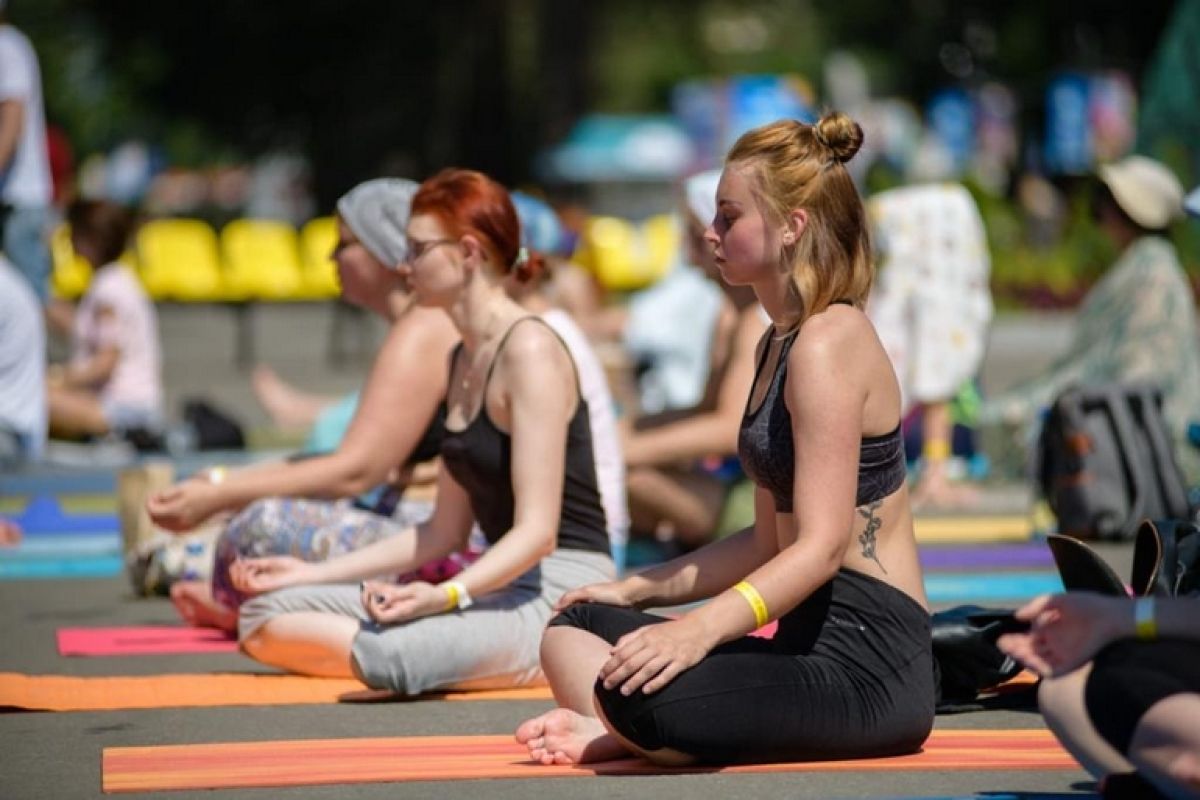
(571, 734)
(195, 603)
(75, 413)
(1166, 745)
(288, 406)
(310, 643)
(1061, 702)
(687, 502)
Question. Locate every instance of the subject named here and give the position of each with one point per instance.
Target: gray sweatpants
(493, 644)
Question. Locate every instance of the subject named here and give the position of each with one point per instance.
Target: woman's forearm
(396, 554)
(699, 574)
(707, 434)
(512, 556)
(332, 476)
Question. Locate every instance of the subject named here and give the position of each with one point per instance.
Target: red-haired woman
(518, 460)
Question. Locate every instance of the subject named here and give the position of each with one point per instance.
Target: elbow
(353, 478)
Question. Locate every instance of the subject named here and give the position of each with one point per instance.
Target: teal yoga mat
(957, 587)
(48, 568)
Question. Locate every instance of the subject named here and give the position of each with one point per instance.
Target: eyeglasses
(417, 248)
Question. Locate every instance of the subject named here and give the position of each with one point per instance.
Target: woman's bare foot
(10, 533)
(194, 602)
(288, 406)
(563, 736)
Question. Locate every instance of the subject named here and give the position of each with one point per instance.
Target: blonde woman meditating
(831, 555)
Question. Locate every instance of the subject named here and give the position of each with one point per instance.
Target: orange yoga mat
(69, 693)
(438, 758)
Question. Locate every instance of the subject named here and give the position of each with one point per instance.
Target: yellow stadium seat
(624, 256)
(318, 272)
(262, 260)
(178, 260)
(71, 272)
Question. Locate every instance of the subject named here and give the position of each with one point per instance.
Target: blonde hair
(792, 165)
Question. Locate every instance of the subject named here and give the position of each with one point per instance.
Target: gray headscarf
(377, 212)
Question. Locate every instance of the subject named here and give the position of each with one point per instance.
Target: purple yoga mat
(979, 556)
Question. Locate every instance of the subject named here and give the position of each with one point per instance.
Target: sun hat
(377, 212)
(1145, 190)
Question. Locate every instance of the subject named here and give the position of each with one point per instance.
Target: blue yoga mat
(958, 587)
(44, 516)
(86, 567)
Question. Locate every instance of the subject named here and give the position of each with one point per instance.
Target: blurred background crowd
(225, 131)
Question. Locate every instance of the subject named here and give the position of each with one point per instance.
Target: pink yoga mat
(142, 640)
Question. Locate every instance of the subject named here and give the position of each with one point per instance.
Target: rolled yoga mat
(456, 758)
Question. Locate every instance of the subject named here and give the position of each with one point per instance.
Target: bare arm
(825, 393)
(12, 118)
(406, 384)
(539, 380)
(712, 432)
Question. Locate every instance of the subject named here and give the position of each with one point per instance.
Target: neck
(775, 295)
(481, 312)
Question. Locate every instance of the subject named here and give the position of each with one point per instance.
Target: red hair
(469, 202)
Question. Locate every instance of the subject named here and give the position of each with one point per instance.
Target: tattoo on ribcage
(867, 537)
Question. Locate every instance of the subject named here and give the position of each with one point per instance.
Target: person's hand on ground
(650, 657)
(1067, 630)
(261, 575)
(390, 603)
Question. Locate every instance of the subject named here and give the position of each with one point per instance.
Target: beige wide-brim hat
(1145, 190)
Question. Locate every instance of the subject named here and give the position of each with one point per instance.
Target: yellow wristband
(935, 450)
(457, 596)
(1144, 624)
(761, 617)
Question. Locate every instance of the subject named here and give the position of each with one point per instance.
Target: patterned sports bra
(768, 457)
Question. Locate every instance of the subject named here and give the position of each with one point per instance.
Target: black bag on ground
(214, 429)
(965, 654)
(1105, 462)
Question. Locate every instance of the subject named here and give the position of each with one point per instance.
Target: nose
(710, 235)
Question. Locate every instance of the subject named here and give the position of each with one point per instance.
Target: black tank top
(768, 457)
(480, 459)
(430, 445)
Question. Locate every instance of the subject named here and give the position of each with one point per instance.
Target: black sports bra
(768, 457)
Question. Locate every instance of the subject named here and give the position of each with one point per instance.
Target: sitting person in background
(1136, 325)
(1120, 686)
(22, 370)
(517, 459)
(113, 381)
(931, 306)
(22, 379)
(302, 507)
(672, 495)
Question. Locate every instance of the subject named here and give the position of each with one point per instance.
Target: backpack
(1105, 462)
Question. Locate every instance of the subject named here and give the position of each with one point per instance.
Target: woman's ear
(472, 250)
(794, 224)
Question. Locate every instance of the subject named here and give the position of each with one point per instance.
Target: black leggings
(1130, 676)
(748, 701)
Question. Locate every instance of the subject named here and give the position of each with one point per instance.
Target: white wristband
(457, 596)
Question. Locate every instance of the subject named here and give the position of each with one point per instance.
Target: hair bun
(842, 135)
